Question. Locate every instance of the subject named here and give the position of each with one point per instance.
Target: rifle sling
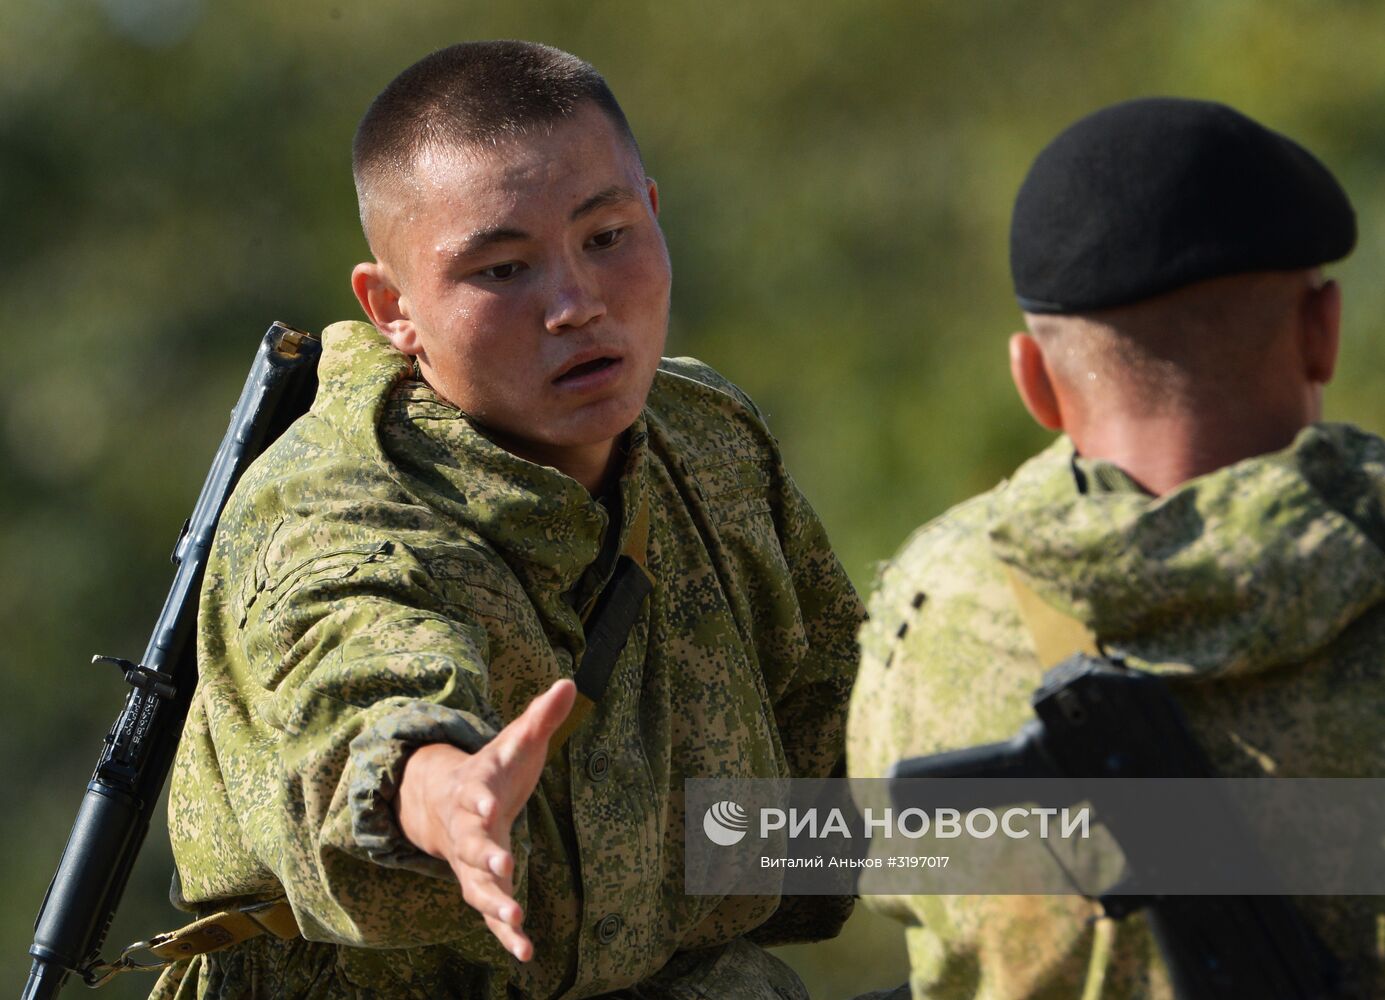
(221, 930)
(607, 625)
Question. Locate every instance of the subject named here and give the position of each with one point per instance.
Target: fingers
(484, 867)
(528, 735)
(489, 892)
(482, 799)
(549, 710)
(489, 895)
(505, 773)
(477, 845)
(514, 940)
(475, 802)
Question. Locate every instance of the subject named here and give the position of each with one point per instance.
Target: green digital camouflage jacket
(1259, 590)
(384, 577)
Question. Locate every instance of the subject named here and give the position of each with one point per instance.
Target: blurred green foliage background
(836, 180)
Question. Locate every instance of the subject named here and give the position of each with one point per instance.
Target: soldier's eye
(608, 238)
(502, 272)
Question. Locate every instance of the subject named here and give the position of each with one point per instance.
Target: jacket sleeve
(803, 610)
(810, 704)
(810, 683)
(343, 653)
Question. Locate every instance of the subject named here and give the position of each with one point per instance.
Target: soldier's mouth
(586, 368)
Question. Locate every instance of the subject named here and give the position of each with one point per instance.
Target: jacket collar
(1254, 565)
(543, 523)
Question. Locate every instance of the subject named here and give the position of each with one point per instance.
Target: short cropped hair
(470, 94)
(1185, 346)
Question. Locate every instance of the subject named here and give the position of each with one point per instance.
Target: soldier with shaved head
(387, 740)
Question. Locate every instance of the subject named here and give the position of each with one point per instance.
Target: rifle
(1097, 719)
(137, 753)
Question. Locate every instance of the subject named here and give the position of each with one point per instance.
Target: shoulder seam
(727, 388)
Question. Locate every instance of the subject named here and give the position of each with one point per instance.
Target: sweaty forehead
(498, 174)
(453, 187)
(551, 157)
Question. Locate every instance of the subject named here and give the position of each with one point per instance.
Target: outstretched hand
(460, 807)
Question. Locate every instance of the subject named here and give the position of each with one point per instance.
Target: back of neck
(1163, 451)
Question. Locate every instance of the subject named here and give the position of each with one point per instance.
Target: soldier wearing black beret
(1195, 518)
(1152, 195)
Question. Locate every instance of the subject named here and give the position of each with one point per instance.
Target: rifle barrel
(138, 753)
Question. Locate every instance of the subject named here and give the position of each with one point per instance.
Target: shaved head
(473, 95)
(1181, 384)
(1178, 349)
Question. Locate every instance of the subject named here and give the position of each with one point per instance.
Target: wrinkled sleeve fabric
(343, 655)
(805, 632)
(811, 705)
(811, 685)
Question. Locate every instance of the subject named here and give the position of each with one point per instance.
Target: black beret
(1150, 195)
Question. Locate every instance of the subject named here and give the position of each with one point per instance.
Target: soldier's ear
(386, 306)
(1031, 378)
(1321, 332)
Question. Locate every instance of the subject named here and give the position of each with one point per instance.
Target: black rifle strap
(608, 627)
(608, 624)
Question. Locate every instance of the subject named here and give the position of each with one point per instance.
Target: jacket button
(598, 765)
(607, 928)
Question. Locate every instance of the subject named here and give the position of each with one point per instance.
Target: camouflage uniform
(1258, 589)
(385, 577)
